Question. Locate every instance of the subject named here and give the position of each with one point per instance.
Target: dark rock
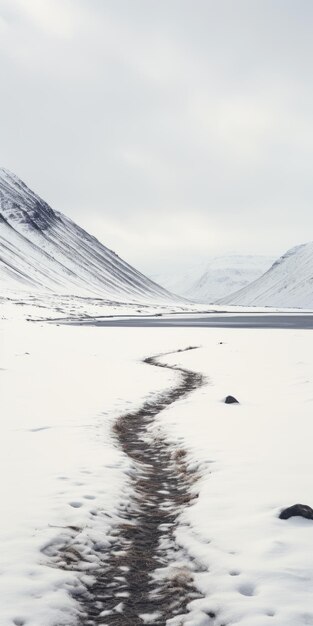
(301, 510)
(231, 400)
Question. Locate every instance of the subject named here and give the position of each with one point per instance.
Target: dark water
(267, 320)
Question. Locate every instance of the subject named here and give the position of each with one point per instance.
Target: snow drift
(288, 283)
(41, 249)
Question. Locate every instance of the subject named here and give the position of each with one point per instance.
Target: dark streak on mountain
(41, 249)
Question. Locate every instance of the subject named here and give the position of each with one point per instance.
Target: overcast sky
(168, 128)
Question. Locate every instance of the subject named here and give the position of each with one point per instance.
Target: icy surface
(288, 283)
(41, 249)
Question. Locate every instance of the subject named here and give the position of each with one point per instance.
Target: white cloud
(188, 123)
(53, 17)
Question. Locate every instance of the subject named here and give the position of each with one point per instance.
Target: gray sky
(168, 128)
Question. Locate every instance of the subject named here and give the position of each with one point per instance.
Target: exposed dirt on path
(147, 578)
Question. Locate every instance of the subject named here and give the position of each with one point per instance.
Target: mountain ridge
(42, 249)
(288, 282)
(214, 277)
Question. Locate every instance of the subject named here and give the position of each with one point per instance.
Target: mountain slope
(288, 283)
(216, 277)
(41, 249)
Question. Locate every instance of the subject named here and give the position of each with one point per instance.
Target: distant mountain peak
(288, 283)
(217, 276)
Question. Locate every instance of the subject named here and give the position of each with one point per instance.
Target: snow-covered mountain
(215, 277)
(42, 250)
(288, 283)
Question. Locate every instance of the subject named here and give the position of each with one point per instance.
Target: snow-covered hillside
(288, 283)
(215, 277)
(41, 249)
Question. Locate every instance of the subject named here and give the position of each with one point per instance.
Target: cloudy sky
(171, 129)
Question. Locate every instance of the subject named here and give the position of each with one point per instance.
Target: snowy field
(42, 307)
(63, 477)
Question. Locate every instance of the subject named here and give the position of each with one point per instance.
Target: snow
(215, 277)
(62, 387)
(60, 307)
(42, 250)
(254, 459)
(288, 283)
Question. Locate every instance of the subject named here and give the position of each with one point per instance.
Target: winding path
(147, 578)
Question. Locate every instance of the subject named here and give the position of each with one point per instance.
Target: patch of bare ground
(146, 577)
